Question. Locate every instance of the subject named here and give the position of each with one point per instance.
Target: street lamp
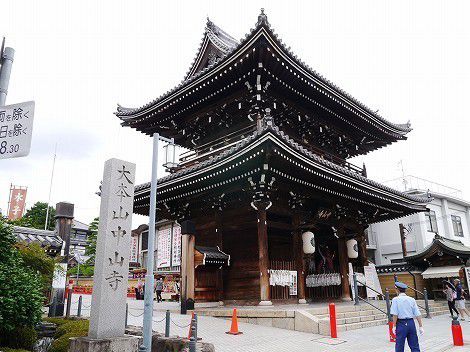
(149, 279)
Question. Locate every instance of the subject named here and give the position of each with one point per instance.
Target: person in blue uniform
(404, 309)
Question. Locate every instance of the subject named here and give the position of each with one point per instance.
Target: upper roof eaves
(128, 113)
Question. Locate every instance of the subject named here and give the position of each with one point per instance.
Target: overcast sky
(78, 59)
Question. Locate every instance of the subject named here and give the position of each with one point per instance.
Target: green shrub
(20, 337)
(62, 343)
(20, 290)
(56, 320)
(72, 326)
(7, 349)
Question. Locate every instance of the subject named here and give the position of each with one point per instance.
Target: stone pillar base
(302, 301)
(126, 343)
(265, 303)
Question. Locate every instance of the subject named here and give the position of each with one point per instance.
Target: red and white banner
(164, 247)
(134, 249)
(17, 202)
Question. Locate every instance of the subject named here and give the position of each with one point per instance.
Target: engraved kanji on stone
(115, 261)
(122, 193)
(121, 215)
(2, 115)
(3, 131)
(17, 113)
(114, 279)
(124, 174)
(119, 233)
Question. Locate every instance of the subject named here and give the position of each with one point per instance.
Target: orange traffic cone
(234, 327)
(190, 325)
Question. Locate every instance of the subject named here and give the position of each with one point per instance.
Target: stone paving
(437, 337)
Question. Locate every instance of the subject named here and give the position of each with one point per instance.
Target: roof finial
(262, 18)
(209, 23)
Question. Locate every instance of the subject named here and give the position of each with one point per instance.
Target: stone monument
(108, 303)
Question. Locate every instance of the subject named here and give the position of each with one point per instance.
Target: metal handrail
(370, 288)
(366, 301)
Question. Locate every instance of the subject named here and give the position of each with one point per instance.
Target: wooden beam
(220, 243)
(187, 266)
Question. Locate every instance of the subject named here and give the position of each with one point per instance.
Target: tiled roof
(298, 147)
(43, 237)
(124, 113)
(445, 244)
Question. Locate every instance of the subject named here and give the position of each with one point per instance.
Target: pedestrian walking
(460, 299)
(159, 289)
(451, 295)
(404, 309)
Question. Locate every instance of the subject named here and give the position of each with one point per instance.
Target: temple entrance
(322, 279)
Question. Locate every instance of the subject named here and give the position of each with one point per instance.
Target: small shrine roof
(445, 245)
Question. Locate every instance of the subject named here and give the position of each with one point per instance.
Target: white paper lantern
(308, 239)
(353, 252)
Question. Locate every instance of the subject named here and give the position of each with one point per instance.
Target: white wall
(388, 234)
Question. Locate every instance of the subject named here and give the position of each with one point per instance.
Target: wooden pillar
(219, 243)
(187, 266)
(265, 294)
(362, 248)
(299, 259)
(343, 266)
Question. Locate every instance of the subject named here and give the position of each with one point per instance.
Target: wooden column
(265, 294)
(343, 266)
(362, 247)
(219, 243)
(299, 259)
(187, 266)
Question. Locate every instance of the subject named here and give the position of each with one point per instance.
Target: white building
(448, 216)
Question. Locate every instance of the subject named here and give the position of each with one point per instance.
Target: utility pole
(6, 60)
(50, 188)
(403, 240)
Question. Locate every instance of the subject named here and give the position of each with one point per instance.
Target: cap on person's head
(401, 286)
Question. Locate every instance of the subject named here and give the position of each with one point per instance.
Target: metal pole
(149, 278)
(127, 314)
(69, 303)
(193, 338)
(5, 72)
(195, 326)
(50, 188)
(426, 302)
(167, 324)
(79, 309)
(356, 291)
(387, 302)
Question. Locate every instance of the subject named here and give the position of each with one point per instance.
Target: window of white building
(431, 221)
(457, 224)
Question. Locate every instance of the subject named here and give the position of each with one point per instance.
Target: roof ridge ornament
(262, 18)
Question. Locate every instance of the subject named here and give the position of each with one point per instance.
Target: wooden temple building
(268, 140)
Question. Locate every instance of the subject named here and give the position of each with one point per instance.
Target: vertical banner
(133, 255)
(164, 247)
(176, 246)
(293, 283)
(108, 302)
(17, 202)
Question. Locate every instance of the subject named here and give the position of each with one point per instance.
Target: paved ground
(437, 337)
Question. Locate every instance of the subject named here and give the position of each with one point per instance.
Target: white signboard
(164, 247)
(293, 283)
(370, 273)
(108, 301)
(16, 129)
(176, 246)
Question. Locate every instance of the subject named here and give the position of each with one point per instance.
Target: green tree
(91, 248)
(35, 258)
(21, 294)
(35, 217)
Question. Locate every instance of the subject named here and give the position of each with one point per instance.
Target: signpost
(16, 129)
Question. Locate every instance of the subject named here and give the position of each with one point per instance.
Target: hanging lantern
(170, 156)
(353, 252)
(308, 239)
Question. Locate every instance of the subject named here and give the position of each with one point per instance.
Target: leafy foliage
(35, 217)
(85, 270)
(20, 337)
(35, 258)
(66, 330)
(20, 288)
(91, 248)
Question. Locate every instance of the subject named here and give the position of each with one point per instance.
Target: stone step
(361, 325)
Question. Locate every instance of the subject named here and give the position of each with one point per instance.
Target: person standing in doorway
(450, 295)
(404, 309)
(460, 300)
(159, 289)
